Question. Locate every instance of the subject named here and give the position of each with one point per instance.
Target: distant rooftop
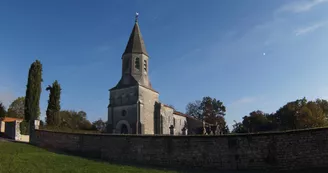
(10, 119)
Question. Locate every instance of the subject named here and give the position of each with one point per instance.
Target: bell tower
(135, 58)
(132, 100)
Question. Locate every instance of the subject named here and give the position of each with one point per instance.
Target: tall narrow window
(145, 65)
(161, 125)
(124, 112)
(137, 63)
(174, 122)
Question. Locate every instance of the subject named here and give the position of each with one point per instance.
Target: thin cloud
(301, 6)
(308, 29)
(155, 18)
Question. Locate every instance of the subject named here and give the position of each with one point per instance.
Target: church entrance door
(124, 129)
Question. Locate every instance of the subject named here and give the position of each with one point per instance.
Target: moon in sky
(264, 54)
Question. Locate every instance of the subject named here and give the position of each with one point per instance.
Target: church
(134, 106)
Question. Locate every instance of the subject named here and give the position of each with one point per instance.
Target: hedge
(25, 128)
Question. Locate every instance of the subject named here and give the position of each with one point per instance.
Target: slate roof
(136, 43)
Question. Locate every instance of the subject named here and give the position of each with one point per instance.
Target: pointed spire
(135, 43)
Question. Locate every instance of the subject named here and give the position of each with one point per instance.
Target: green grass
(18, 157)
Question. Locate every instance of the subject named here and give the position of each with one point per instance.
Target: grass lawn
(19, 157)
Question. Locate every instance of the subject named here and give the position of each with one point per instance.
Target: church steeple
(135, 65)
(136, 43)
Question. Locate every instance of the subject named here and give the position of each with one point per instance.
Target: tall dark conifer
(33, 92)
(2, 110)
(53, 104)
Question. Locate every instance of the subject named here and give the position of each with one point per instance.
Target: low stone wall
(24, 138)
(285, 150)
(2, 127)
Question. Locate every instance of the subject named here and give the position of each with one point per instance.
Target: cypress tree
(53, 104)
(33, 92)
(2, 110)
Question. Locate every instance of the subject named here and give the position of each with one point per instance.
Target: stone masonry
(281, 150)
(134, 106)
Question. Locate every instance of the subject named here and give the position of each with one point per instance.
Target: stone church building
(134, 106)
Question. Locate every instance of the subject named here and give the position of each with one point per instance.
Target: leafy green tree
(298, 114)
(100, 125)
(302, 114)
(211, 111)
(33, 91)
(256, 121)
(53, 109)
(238, 127)
(287, 115)
(324, 106)
(2, 110)
(194, 109)
(225, 130)
(16, 108)
(311, 115)
(85, 125)
(74, 120)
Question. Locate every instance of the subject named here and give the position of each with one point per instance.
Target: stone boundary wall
(279, 150)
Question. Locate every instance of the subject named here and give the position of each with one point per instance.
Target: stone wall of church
(279, 150)
(130, 117)
(141, 74)
(122, 100)
(179, 122)
(148, 98)
(167, 119)
(124, 96)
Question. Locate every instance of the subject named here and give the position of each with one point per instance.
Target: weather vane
(137, 14)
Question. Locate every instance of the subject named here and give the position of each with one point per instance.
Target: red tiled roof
(179, 113)
(182, 114)
(167, 106)
(10, 119)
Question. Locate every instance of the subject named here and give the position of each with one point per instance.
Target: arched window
(124, 112)
(137, 63)
(145, 65)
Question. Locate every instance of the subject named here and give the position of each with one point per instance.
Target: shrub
(25, 128)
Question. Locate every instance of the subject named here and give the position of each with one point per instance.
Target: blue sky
(251, 54)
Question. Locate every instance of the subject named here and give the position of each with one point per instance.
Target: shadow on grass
(137, 165)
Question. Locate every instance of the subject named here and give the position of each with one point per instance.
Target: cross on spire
(137, 14)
